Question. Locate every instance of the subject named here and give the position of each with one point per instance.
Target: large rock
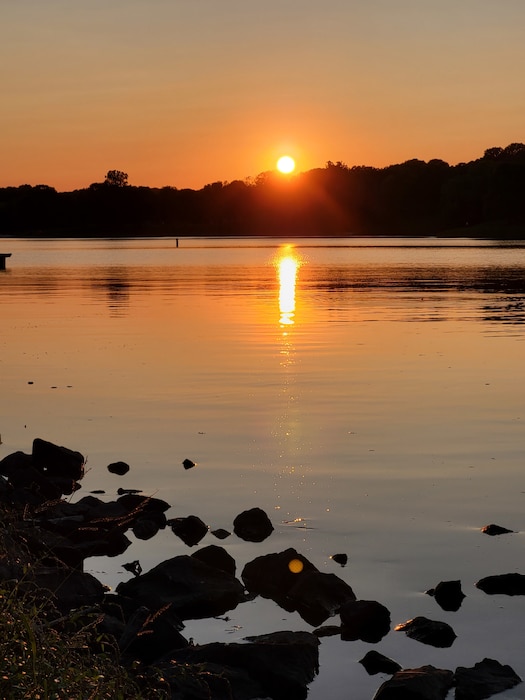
(281, 664)
(425, 683)
(483, 680)
(65, 587)
(55, 460)
(506, 584)
(191, 587)
(366, 620)
(296, 584)
(437, 634)
(212, 555)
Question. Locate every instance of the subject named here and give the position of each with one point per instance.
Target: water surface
(370, 398)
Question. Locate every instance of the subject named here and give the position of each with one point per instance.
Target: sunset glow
(166, 111)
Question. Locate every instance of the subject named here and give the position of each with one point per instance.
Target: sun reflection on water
(287, 278)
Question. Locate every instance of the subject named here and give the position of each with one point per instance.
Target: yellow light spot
(295, 566)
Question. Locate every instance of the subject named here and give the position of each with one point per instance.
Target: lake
(368, 394)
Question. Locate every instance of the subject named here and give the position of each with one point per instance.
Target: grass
(46, 655)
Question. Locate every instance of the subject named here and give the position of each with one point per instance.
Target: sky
(184, 93)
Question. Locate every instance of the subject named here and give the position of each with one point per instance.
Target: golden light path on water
(287, 278)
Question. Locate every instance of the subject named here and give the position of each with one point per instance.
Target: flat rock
(506, 584)
(483, 680)
(437, 634)
(424, 683)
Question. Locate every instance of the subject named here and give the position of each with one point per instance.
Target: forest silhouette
(484, 197)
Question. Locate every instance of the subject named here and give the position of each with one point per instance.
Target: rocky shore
(45, 539)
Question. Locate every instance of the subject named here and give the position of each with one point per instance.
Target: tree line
(483, 197)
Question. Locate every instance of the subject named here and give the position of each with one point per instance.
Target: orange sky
(190, 92)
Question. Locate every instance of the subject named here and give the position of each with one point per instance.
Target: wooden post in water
(3, 256)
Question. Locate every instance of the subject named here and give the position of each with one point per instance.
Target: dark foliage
(483, 197)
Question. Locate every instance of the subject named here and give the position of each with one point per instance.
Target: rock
(374, 662)
(327, 631)
(424, 683)
(57, 461)
(134, 567)
(495, 530)
(136, 504)
(220, 533)
(119, 468)
(296, 584)
(252, 525)
(188, 464)
(341, 559)
(366, 620)
(148, 637)
(281, 665)
(437, 634)
(67, 588)
(193, 589)
(483, 680)
(506, 584)
(190, 529)
(448, 595)
(218, 557)
(145, 528)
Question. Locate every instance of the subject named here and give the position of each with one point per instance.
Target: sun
(286, 164)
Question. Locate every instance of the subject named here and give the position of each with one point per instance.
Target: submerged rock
(424, 683)
(506, 584)
(437, 634)
(483, 680)
(252, 525)
(448, 595)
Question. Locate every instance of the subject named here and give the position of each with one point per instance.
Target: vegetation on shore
(51, 655)
(481, 198)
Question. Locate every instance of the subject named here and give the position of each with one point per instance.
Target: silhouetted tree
(116, 178)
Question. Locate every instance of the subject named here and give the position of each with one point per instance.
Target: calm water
(370, 397)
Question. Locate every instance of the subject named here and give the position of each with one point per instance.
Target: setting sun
(286, 164)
